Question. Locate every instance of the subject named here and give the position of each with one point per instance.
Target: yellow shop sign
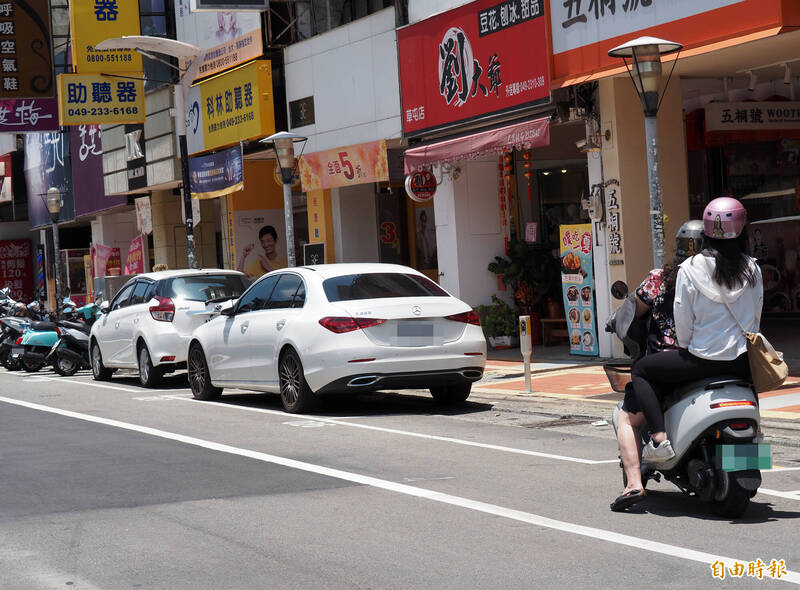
(93, 99)
(92, 21)
(232, 107)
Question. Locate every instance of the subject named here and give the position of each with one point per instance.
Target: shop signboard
(583, 31)
(577, 283)
(421, 186)
(477, 59)
(314, 253)
(28, 115)
(752, 116)
(26, 52)
(47, 165)
(144, 217)
(94, 21)
(86, 153)
(134, 261)
(216, 174)
(16, 268)
(259, 5)
(227, 38)
(230, 108)
(94, 99)
(345, 166)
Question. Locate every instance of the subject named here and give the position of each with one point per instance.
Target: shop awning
(530, 134)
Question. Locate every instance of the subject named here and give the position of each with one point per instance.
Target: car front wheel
(451, 394)
(296, 395)
(199, 377)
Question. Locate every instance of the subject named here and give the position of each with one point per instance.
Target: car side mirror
(229, 311)
(104, 306)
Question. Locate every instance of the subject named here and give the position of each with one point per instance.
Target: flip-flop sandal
(628, 499)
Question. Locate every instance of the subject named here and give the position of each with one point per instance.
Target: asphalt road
(112, 486)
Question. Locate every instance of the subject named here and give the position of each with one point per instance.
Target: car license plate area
(416, 333)
(743, 457)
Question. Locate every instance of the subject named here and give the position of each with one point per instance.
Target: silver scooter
(713, 425)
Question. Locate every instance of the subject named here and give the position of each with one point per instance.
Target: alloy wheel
(144, 365)
(291, 378)
(197, 370)
(96, 360)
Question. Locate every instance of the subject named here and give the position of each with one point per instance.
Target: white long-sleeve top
(703, 324)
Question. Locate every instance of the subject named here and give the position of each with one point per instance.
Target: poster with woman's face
(260, 237)
(425, 229)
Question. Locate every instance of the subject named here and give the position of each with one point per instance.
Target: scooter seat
(43, 326)
(80, 326)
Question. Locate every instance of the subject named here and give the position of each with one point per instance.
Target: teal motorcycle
(39, 339)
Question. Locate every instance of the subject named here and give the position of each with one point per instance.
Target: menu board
(577, 284)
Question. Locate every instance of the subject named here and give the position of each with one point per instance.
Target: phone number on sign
(102, 111)
(109, 58)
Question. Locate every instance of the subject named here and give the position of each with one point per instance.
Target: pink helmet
(724, 218)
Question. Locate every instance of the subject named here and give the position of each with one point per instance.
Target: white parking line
(447, 439)
(417, 492)
(779, 494)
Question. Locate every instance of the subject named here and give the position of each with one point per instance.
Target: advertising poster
(134, 261)
(356, 164)
(47, 165)
(260, 241)
(86, 154)
(577, 283)
(105, 259)
(216, 174)
(16, 268)
(144, 217)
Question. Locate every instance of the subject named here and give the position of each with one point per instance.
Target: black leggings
(676, 366)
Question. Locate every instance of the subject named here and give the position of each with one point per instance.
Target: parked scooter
(71, 352)
(39, 338)
(12, 325)
(713, 425)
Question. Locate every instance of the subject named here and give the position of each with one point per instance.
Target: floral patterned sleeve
(650, 287)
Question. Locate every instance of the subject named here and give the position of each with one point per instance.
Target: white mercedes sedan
(307, 331)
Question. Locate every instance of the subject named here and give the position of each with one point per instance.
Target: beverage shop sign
(26, 53)
(478, 59)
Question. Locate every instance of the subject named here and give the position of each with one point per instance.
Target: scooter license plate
(56, 345)
(17, 350)
(744, 457)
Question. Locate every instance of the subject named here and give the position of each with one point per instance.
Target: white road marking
(776, 468)
(417, 492)
(447, 439)
(779, 494)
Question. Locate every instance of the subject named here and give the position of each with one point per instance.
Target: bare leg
(630, 448)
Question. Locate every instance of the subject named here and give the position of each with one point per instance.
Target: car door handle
(135, 320)
(245, 326)
(116, 324)
(280, 324)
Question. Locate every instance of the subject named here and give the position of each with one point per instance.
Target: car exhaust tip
(474, 374)
(364, 381)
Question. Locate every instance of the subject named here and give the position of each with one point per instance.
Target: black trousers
(676, 366)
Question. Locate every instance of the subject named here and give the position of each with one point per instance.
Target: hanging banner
(94, 99)
(227, 38)
(26, 50)
(144, 218)
(16, 268)
(28, 115)
(89, 276)
(216, 174)
(577, 283)
(480, 58)
(134, 261)
(230, 108)
(345, 166)
(86, 153)
(92, 22)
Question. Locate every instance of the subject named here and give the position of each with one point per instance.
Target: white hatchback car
(339, 327)
(148, 323)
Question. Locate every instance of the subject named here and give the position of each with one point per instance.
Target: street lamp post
(54, 207)
(283, 145)
(150, 47)
(645, 72)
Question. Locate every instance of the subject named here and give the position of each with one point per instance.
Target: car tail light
(468, 317)
(164, 311)
(340, 325)
(732, 404)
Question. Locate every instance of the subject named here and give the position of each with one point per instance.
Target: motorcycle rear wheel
(65, 367)
(733, 503)
(31, 366)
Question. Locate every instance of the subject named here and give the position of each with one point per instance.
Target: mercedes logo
(416, 310)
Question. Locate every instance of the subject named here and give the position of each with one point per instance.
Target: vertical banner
(144, 217)
(89, 274)
(577, 283)
(27, 53)
(134, 261)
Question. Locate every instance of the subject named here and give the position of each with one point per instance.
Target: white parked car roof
(183, 272)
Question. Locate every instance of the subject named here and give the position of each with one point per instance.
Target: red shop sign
(421, 186)
(481, 58)
(16, 268)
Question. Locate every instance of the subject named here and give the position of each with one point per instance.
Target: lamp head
(54, 202)
(283, 145)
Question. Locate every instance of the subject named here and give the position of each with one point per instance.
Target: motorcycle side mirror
(619, 290)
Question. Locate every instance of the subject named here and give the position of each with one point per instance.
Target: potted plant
(499, 322)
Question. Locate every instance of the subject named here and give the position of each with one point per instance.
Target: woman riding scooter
(654, 296)
(712, 344)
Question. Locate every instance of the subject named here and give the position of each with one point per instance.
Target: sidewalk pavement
(579, 384)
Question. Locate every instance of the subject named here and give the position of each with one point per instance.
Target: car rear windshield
(205, 287)
(379, 285)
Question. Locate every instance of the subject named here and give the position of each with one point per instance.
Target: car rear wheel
(199, 377)
(149, 376)
(451, 394)
(296, 395)
(99, 371)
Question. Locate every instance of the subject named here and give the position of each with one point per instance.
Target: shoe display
(660, 454)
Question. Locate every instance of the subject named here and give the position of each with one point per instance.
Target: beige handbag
(768, 370)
